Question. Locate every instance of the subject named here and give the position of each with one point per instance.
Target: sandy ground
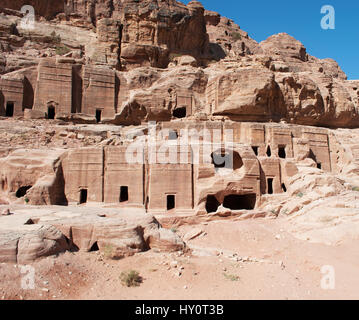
(252, 259)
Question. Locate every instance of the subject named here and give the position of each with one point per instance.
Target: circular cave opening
(21, 192)
(240, 202)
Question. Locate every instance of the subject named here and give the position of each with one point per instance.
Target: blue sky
(300, 19)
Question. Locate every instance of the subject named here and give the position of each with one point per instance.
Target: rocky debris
(77, 118)
(165, 240)
(5, 212)
(44, 135)
(331, 220)
(223, 212)
(202, 252)
(311, 180)
(306, 187)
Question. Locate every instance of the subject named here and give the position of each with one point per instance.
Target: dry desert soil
(250, 259)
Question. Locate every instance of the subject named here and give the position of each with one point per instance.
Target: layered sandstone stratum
(92, 78)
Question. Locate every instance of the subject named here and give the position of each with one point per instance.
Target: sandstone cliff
(166, 55)
(81, 86)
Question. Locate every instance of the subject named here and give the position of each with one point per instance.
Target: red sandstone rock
(24, 245)
(129, 36)
(124, 63)
(116, 235)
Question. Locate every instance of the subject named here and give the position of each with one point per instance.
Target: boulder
(32, 234)
(34, 114)
(25, 244)
(34, 173)
(249, 94)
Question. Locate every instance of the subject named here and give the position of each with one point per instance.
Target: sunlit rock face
(90, 81)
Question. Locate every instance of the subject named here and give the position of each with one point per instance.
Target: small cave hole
(21, 192)
(255, 150)
(180, 112)
(240, 202)
(269, 152)
(212, 204)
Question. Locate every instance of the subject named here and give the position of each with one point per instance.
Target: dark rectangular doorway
(51, 113)
(83, 196)
(9, 109)
(270, 185)
(124, 194)
(281, 152)
(171, 202)
(98, 115)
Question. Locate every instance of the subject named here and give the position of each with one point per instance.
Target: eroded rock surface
(107, 53)
(93, 81)
(34, 233)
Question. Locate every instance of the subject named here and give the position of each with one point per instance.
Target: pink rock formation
(124, 36)
(27, 237)
(99, 71)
